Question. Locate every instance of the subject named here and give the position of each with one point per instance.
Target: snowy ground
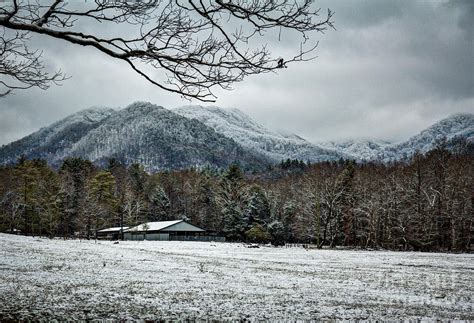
(41, 278)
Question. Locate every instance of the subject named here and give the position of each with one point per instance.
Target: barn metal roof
(113, 229)
(159, 225)
(155, 226)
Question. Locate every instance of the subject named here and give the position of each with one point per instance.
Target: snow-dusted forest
(56, 279)
(424, 204)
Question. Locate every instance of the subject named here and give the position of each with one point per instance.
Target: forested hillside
(199, 137)
(425, 204)
(143, 133)
(235, 124)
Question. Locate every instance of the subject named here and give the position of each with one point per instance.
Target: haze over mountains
(457, 125)
(197, 136)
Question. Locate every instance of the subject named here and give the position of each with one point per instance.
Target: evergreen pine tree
(103, 200)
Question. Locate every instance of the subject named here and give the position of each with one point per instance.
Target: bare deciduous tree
(197, 45)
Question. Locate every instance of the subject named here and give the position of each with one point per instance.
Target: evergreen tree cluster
(293, 164)
(425, 203)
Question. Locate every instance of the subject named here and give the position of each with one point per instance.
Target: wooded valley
(425, 203)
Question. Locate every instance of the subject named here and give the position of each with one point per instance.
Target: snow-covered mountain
(235, 124)
(458, 125)
(196, 136)
(141, 133)
(55, 141)
(363, 150)
(455, 126)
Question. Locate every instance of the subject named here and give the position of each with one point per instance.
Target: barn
(169, 230)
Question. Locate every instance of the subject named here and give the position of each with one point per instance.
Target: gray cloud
(390, 69)
(365, 13)
(466, 16)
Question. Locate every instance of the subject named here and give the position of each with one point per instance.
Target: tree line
(424, 203)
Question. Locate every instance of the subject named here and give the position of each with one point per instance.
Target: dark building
(110, 233)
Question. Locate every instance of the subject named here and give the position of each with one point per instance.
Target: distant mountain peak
(143, 106)
(90, 115)
(220, 117)
(237, 125)
(456, 125)
(142, 133)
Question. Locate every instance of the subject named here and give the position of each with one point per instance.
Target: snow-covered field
(56, 279)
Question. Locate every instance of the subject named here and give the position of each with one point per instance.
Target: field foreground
(56, 279)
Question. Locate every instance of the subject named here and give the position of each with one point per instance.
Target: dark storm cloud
(466, 16)
(389, 69)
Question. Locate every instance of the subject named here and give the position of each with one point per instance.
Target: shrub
(258, 234)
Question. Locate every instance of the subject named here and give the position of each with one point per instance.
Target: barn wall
(158, 236)
(183, 226)
(149, 236)
(197, 238)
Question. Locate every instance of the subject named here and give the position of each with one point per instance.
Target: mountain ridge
(141, 133)
(199, 136)
(60, 135)
(278, 146)
(235, 124)
(455, 125)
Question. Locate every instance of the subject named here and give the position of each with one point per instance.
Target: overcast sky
(390, 69)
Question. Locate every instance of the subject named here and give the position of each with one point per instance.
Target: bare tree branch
(197, 45)
(21, 68)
